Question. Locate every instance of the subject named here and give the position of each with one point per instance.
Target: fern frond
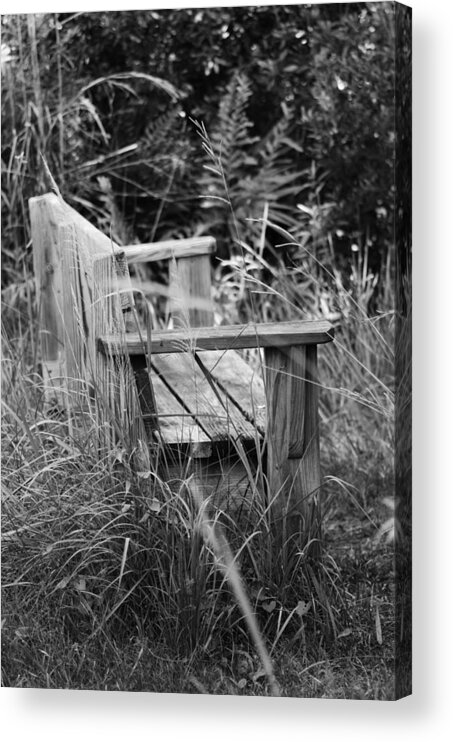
(229, 141)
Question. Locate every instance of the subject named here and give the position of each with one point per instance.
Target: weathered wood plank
(46, 266)
(82, 299)
(166, 420)
(213, 410)
(294, 483)
(75, 330)
(243, 385)
(177, 427)
(296, 392)
(227, 337)
(48, 213)
(53, 211)
(190, 292)
(168, 249)
(46, 260)
(310, 471)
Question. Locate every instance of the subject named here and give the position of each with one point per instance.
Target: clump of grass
(98, 560)
(106, 569)
(94, 551)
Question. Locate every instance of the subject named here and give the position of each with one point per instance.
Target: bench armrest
(166, 250)
(226, 337)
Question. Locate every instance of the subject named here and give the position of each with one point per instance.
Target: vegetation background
(295, 107)
(301, 97)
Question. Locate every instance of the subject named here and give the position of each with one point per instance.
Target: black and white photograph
(206, 266)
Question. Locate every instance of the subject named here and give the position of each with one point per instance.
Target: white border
(78, 715)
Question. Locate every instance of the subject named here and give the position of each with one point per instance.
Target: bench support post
(294, 475)
(190, 289)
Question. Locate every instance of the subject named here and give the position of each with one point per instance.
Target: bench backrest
(84, 291)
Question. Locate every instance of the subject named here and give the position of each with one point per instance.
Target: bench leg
(293, 467)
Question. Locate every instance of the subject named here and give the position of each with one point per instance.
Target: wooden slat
(77, 351)
(48, 215)
(226, 337)
(52, 210)
(167, 249)
(177, 427)
(78, 285)
(165, 419)
(46, 266)
(243, 385)
(190, 292)
(215, 413)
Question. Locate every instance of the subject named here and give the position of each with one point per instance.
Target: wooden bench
(182, 394)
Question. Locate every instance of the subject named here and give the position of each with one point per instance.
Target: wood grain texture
(176, 426)
(75, 329)
(166, 420)
(168, 249)
(226, 337)
(236, 383)
(190, 292)
(53, 211)
(294, 482)
(213, 410)
(243, 385)
(82, 300)
(49, 214)
(46, 262)
(47, 271)
(310, 471)
(295, 399)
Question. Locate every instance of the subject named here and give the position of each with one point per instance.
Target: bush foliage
(298, 100)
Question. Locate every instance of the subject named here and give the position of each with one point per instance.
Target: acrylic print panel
(208, 521)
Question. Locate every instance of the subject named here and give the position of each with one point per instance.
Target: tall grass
(97, 554)
(109, 571)
(93, 550)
